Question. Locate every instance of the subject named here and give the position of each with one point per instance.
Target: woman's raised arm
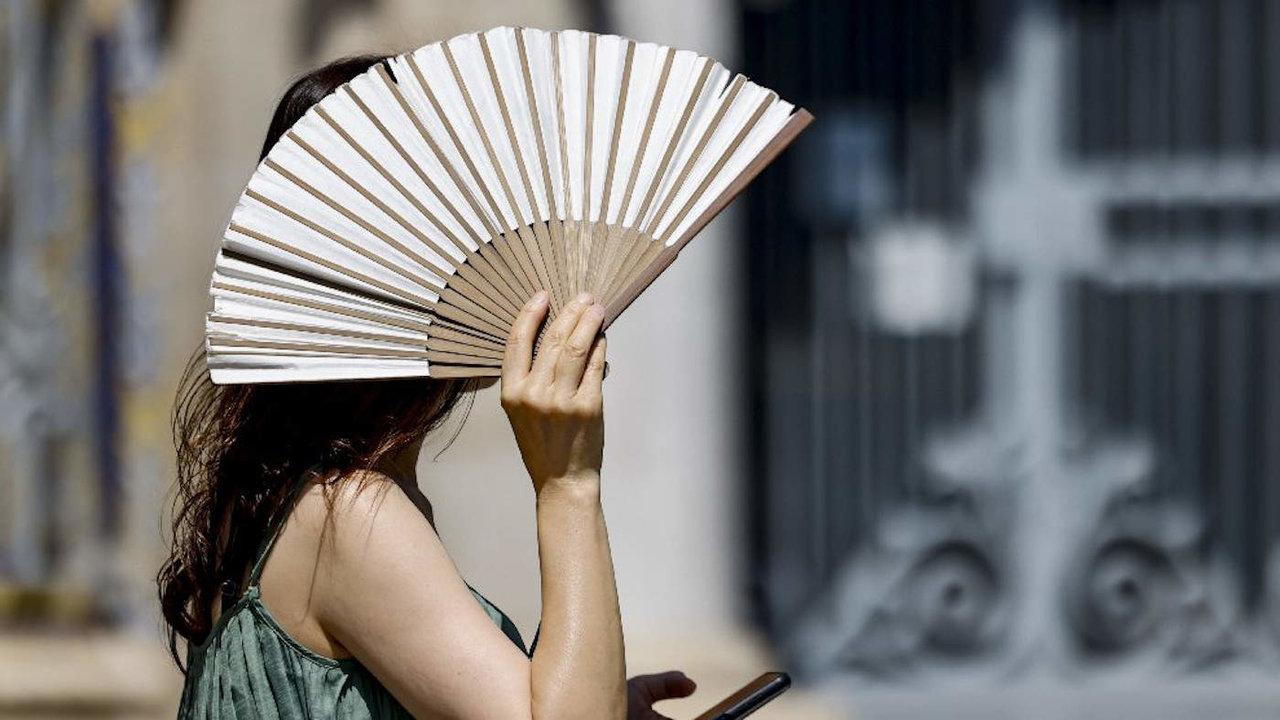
(555, 406)
(388, 592)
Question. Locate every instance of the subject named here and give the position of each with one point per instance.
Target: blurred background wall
(964, 410)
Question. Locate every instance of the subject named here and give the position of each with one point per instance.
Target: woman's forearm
(579, 666)
(556, 408)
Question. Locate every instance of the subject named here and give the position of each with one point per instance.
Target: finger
(597, 368)
(519, 350)
(577, 349)
(666, 686)
(544, 364)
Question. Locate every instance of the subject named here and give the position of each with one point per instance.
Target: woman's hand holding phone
(645, 690)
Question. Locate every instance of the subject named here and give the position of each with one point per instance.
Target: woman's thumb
(668, 685)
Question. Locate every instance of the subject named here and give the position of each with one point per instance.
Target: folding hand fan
(398, 227)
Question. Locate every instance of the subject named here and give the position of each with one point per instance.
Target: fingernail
(538, 298)
(584, 298)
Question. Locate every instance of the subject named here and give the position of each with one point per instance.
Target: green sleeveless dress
(250, 668)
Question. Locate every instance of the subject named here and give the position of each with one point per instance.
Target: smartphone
(750, 698)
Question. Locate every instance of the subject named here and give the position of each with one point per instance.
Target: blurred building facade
(1015, 370)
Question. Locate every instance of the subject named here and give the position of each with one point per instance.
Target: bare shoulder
(345, 533)
(294, 577)
(339, 517)
(365, 530)
(362, 504)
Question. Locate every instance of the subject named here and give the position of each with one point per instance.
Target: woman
(307, 580)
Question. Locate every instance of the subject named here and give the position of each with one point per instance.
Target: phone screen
(750, 698)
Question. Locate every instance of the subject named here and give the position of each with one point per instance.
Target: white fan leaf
(398, 226)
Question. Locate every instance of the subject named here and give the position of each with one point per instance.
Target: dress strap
(276, 525)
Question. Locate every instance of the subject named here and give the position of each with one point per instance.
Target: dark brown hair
(241, 449)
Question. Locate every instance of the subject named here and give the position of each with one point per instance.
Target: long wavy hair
(241, 449)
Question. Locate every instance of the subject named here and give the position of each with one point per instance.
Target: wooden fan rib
(468, 274)
(619, 116)
(696, 154)
(327, 349)
(600, 245)
(701, 189)
(445, 330)
(494, 227)
(506, 255)
(622, 247)
(481, 299)
(643, 252)
(424, 302)
(444, 345)
(487, 266)
(527, 276)
(557, 65)
(315, 329)
(413, 199)
(485, 294)
(626, 266)
(446, 356)
(378, 203)
(480, 327)
(674, 142)
(796, 125)
(539, 266)
(556, 230)
(465, 285)
(639, 259)
(549, 250)
(344, 242)
(445, 163)
(467, 305)
(628, 239)
(416, 166)
(445, 371)
(659, 93)
(589, 126)
(582, 246)
(440, 272)
(497, 280)
(523, 265)
(416, 300)
(321, 307)
(546, 269)
(626, 249)
(615, 241)
(508, 260)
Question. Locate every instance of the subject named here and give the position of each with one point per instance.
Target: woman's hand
(554, 401)
(645, 690)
